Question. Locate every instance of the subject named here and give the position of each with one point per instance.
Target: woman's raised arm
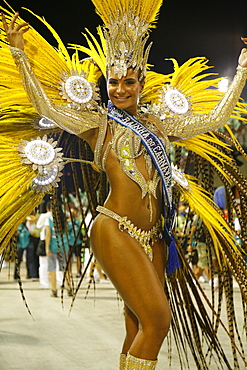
(70, 120)
(187, 126)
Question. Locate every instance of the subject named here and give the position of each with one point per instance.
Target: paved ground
(88, 339)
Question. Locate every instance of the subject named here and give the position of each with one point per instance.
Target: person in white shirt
(43, 262)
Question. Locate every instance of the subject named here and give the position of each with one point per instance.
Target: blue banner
(157, 152)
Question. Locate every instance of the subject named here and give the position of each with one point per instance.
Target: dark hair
(48, 206)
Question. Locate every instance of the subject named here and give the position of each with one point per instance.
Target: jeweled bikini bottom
(146, 238)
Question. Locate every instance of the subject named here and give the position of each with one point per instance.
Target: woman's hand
(242, 61)
(15, 33)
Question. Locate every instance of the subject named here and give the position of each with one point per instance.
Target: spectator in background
(181, 220)
(56, 250)
(23, 240)
(75, 240)
(220, 197)
(203, 270)
(191, 256)
(43, 259)
(32, 258)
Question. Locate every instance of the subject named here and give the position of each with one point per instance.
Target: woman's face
(124, 92)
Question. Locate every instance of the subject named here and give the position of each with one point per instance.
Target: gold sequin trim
(146, 238)
(139, 363)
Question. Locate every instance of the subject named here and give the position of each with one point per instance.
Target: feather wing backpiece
(196, 162)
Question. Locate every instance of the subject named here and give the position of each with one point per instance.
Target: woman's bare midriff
(125, 197)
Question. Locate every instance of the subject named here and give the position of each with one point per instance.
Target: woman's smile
(121, 98)
(124, 92)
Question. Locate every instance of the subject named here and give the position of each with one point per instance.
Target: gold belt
(146, 238)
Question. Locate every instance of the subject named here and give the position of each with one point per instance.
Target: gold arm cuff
(242, 70)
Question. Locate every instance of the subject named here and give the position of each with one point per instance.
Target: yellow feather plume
(201, 203)
(204, 146)
(48, 63)
(153, 85)
(190, 78)
(147, 10)
(95, 50)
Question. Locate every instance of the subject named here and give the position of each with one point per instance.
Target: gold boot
(122, 361)
(134, 363)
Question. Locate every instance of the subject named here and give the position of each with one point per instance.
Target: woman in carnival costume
(132, 235)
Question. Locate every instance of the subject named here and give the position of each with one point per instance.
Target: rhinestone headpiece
(126, 36)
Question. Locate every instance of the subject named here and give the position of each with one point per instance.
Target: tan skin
(138, 280)
(52, 274)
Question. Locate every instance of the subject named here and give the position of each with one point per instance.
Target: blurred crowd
(190, 232)
(46, 254)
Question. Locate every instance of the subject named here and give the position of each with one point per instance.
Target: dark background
(185, 29)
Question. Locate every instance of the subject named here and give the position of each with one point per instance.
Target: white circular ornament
(78, 89)
(176, 101)
(39, 152)
(46, 176)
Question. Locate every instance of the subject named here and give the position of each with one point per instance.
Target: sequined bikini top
(128, 148)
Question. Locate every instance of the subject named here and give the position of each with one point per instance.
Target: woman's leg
(131, 326)
(137, 282)
(131, 321)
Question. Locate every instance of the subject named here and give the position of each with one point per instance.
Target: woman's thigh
(130, 270)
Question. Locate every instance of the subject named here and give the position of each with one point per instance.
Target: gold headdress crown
(125, 40)
(127, 23)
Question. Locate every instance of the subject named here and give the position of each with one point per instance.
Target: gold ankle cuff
(134, 363)
(122, 361)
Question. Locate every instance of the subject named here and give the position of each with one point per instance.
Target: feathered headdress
(126, 27)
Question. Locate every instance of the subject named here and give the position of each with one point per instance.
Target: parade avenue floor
(89, 338)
